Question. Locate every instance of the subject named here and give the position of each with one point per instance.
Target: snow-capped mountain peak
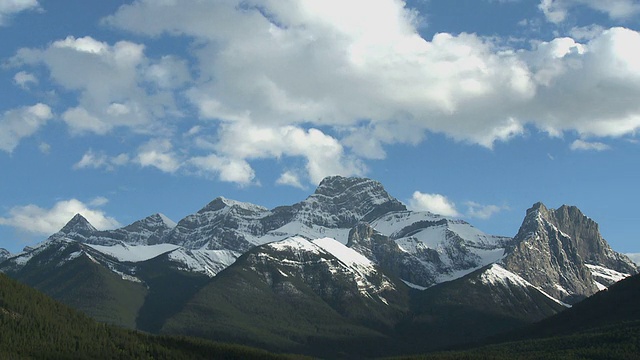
(221, 202)
(78, 224)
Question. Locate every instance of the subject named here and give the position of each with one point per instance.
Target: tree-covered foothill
(34, 326)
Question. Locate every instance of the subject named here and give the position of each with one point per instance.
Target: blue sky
(471, 108)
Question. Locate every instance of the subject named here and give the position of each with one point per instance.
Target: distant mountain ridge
(350, 252)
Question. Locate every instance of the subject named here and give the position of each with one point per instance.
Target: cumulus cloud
(323, 154)
(44, 148)
(158, 153)
(556, 11)
(307, 62)
(435, 203)
(118, 85)
(19, 123)
(290, 178)
(97, 160)
(226, 169)
(24, 79)
(319, 82)
(37, 220)
(9, 8)
(479, 211)
(589, 146)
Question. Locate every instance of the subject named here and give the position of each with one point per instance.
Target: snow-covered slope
(207, 262)
(448, 248)
(134, 253)
(142, 232)
(309, 260)
(4, 254)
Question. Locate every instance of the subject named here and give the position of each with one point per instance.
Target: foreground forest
(34, 326)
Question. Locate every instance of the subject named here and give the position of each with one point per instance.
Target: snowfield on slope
(134, 253)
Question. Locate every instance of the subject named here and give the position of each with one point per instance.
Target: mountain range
(348, 271)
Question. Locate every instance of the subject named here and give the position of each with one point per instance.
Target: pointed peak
(4, 254)
(333, 185)
(154, 221)
(77, 224)
(166, 220)
(539, 206)
(221, 202)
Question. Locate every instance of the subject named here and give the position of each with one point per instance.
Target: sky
(477, 109)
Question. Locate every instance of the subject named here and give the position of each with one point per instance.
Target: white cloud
(12, 7)
(97, 160)
(226, 169)
(118, 85)
(290, 178)
(479, 211)
(590, 88)
(19, 123)
(586, 32)
(158, 153)
(37, 220)
(24, 79)
(44, 148)
(324, 65)
(324, 154)
(587, 146)
(435, 203)
(556, 11)
(320, 82)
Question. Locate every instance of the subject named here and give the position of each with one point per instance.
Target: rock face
(554, 248)
(343, 202)
(222, 224)
(78, 229)
(142, 232)
(4, 254)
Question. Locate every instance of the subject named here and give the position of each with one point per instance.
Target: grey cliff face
(221, 225)
(341, 202)
(142, 232)
(78, 229)
(384, 252)
(553, 247)
(4, 254)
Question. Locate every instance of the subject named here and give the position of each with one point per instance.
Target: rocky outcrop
(149, 230)
(4, 254)
(222, 224)
(553, 248)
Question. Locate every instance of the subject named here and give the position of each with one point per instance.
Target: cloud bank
(41, 221)
(320, 83)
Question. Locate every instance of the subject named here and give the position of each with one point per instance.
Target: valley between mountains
(347, 272)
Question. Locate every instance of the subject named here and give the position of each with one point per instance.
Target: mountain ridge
(349, 252)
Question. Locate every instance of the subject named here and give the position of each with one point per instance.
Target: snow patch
(496, 274)
(346, 255)
(294, 243)
(170, 223)
(134, 253)
(606, 273)
(208, 262)
(414, 286)
(599, 286)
